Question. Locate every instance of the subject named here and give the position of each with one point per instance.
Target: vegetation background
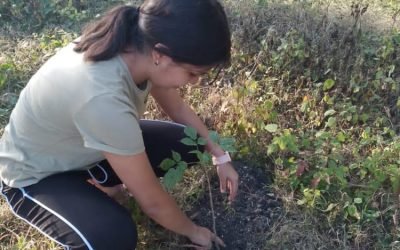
(311, 96)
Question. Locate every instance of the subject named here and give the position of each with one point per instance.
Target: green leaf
(305, 106)
(205, 158)
(272, 148)
(357, 200)
(279, 161)
(214, 137)
(329, 113)
(272, 128)
(174, 176)
(330, 207)
(379, 75)
(3, 79)
(227, 141)
(286, 142)
(341, 137)
(188, 142)
(329, 100)
(191, 132)
(195, 152)
(176, 156)
(281, 143)
(200, 157)
(166, 164)
(328, 84)
(201, 141)
(395, 181)
(331, 122)
(227, 144)
(301, 202)
(353, 212)
(171, 178)
(182, 166)
(229, 148)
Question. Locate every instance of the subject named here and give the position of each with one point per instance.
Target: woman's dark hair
(191, 31)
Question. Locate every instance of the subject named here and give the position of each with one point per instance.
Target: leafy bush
(33, 15)
(312, 94)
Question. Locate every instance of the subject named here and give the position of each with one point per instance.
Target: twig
(357, 185)
(211, 204)
(396, 214)
(394, 17)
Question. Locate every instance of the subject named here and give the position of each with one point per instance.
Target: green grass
(312, 94)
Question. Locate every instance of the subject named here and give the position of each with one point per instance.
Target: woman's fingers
(233, 188)
(229, 180)
(218, 241)
(222, 183)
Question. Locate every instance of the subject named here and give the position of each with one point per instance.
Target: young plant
(175, 167)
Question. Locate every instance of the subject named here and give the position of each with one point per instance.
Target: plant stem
(211, 203)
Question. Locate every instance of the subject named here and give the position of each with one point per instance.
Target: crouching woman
(78, 119)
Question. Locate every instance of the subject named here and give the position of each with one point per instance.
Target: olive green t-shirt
(69, 112)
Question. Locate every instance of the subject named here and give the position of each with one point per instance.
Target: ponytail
(110, 35)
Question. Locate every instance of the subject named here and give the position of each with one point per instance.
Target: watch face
(221, 159)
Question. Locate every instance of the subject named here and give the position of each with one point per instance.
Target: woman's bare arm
(138, 176)
(172, 104)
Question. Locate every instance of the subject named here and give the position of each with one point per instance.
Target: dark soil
(244, 224)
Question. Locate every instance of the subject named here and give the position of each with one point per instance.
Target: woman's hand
(228, 180)
(203, 237)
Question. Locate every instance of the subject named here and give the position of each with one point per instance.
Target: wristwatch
(221, 159)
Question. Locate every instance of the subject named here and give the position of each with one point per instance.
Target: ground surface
(243, 224)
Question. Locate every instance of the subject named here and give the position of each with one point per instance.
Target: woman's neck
(138, 65)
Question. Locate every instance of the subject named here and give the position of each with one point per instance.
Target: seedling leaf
(191, 132)
(166, 164)
(188, 142)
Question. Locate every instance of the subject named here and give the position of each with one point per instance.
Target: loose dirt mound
(244, 224)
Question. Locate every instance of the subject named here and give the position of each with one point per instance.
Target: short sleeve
(111, 124)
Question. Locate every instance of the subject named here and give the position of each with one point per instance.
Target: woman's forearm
(165, 212)
(139, 178)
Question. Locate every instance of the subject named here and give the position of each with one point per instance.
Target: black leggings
(76, 214)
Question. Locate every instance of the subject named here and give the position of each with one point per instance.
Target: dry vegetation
(312, 95)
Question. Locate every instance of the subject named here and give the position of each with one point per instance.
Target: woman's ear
(157, 55)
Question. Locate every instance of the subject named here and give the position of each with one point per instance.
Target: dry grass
(16, 234)
(324, 25)
(300, 231)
